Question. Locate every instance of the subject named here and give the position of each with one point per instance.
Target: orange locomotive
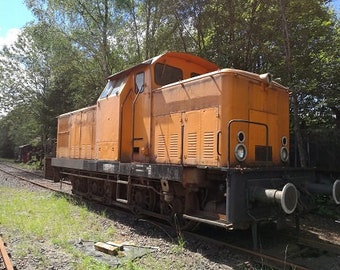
(176, 136)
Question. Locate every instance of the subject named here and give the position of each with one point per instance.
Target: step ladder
(122, 194)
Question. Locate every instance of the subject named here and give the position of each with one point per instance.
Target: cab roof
(179, 55)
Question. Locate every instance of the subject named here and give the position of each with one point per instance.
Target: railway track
(35, 178)
(263, 258)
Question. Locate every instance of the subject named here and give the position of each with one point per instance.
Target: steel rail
(20, 169)
(33, 182)
(257, 256)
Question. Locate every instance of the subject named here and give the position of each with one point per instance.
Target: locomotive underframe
(216, 196)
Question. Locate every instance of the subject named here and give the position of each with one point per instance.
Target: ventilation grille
(83, 151)
(174, 145)
(192, 145)
(161, 146)
(88, 151)
(76, 151)
(208, 145)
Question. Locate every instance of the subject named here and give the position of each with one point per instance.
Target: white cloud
(10, 38)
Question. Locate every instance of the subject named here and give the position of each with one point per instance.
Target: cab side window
(113, 87)
(139, 82)
(165, 74)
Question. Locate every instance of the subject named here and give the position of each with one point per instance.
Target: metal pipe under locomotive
(177, 136)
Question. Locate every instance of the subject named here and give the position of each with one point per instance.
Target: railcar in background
(27, 154)
(23, 153)
(177, 137)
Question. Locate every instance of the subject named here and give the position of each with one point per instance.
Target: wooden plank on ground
(106, 248)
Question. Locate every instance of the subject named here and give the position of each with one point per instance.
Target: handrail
(247, 122)
(219, 133)
(133, 123)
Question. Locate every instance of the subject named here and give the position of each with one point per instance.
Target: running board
(218, 223)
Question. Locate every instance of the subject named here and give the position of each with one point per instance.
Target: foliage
(19, 127)
(60, 61)
(312, 34)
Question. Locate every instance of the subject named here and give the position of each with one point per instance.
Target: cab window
(113, 88)
(139, 82)
(165, 74)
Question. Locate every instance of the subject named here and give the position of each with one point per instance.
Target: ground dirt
(169, 253)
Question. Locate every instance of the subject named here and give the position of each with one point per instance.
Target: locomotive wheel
(75, 185)
(94, 188)
(143, 198)
(187, 225)
(79, 187)
(108, 187)
(83, 186)
(97, 190)
(178, 208)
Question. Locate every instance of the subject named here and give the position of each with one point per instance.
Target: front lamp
(284, 154)
(240, 152)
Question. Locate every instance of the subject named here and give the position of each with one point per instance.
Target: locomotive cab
(124, 116)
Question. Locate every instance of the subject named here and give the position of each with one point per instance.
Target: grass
(327, 208)
(42, 216)
(31, 165)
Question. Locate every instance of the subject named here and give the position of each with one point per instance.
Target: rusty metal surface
(6, 260)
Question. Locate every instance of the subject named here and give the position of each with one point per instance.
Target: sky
(14, 15)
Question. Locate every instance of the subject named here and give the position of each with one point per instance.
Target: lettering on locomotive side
(110, 168)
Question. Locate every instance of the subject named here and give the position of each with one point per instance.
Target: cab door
(136, 114)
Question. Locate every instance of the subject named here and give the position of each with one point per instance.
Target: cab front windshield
(113, 87)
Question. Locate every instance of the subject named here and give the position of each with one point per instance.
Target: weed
(179, 247)
(89, 263)
(44, 216)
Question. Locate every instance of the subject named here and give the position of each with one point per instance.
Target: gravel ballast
(169, 251)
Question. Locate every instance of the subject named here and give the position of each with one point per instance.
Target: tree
(17, 128)
(44, 76)
(89, 25)
(60, 63)
(149, 28)
(306, 32)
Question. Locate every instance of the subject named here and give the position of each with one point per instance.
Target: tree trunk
(105, 49)
(336, 111)
(289, 67)
(297, 132)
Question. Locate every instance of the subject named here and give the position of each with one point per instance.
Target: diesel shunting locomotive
(177, 137)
